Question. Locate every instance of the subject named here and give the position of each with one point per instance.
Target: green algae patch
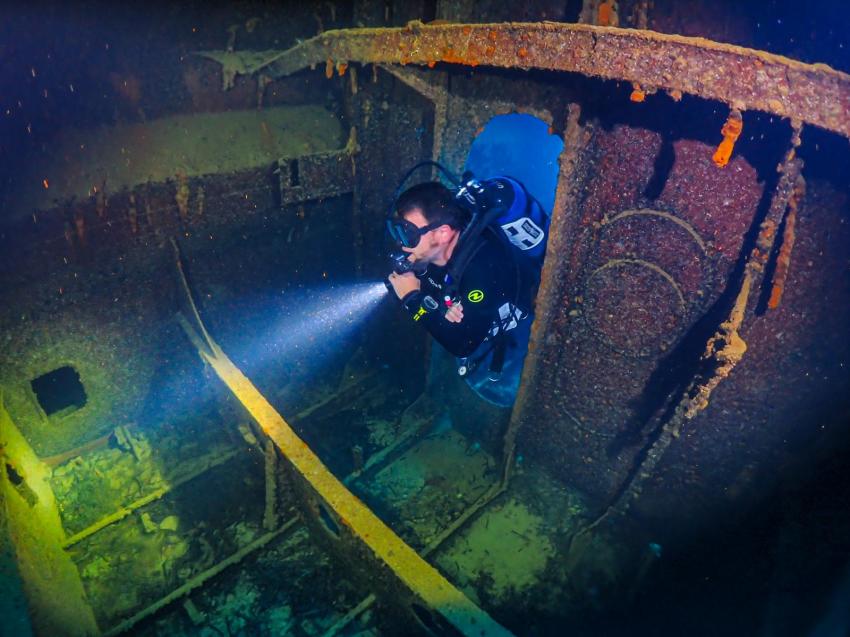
(506, 550)
(432, 484)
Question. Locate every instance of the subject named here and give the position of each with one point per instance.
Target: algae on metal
(82, 162)
(57, 601)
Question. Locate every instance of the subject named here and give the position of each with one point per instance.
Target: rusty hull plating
(631, 280)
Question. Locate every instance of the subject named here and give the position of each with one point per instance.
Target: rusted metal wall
(787, 392)
(88, 282)
(660, 234)
(639, 277)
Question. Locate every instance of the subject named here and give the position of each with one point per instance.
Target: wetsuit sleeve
(487, 283)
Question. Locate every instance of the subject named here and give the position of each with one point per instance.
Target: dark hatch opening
(60, 392)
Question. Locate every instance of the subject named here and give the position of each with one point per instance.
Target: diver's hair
(436, 202)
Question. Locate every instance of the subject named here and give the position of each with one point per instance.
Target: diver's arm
(461, 338)
(486, 284)
(404, 284)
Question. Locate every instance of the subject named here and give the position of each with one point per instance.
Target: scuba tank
(512, 208)
(500, 203)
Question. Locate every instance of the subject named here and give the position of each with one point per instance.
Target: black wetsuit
(495, 278)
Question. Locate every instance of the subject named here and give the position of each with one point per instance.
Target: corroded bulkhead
(689, 338)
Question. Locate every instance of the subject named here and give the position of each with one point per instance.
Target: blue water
(519, 146)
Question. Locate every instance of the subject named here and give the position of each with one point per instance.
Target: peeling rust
(783, 261)
(746, 78)
(731, 131)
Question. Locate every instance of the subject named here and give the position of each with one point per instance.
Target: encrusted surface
(610, 335)
(374, 537)
(785, 388)
(745, 78)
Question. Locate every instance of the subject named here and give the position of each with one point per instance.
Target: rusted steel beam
(548, 303)
(745, 78)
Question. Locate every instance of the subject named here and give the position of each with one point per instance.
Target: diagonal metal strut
(422, 579)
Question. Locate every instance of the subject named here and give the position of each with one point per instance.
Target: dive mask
(407, 234)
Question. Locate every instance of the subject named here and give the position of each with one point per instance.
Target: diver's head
(427, 222)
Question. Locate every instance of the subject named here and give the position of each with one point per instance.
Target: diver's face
(432, 244)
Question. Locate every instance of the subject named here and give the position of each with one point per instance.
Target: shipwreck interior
(214, 419)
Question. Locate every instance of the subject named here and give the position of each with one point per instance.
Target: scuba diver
(468, 270)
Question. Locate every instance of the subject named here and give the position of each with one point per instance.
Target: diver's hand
(455, 313)
(404, 284)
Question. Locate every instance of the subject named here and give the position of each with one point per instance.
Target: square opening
(59, 392)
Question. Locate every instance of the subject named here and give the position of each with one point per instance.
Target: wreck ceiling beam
(745, 78)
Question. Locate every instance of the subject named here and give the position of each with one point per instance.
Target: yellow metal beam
(420, 578)
(55, 594)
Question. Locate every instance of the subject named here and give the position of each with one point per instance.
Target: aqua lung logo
(475, 296)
